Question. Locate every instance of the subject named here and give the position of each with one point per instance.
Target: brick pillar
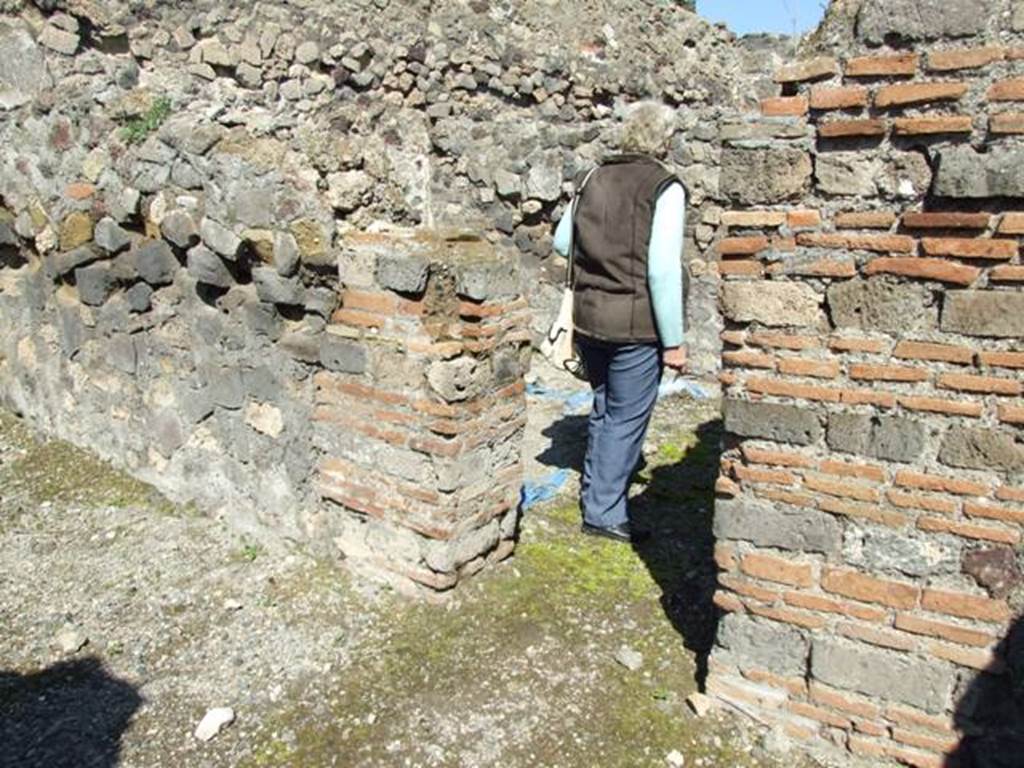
(420, 414)
(869, 515)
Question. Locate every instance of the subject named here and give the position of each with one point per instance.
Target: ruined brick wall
(183, 283)
(431, 114)
(871, 507)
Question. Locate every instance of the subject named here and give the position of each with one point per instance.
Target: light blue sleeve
(664, 265)
(564, 231)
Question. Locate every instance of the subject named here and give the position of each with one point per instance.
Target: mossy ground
(518, 669)
(55, 472)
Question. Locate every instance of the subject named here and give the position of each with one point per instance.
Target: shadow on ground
(69, 715)
(676, 504)
(991, 711)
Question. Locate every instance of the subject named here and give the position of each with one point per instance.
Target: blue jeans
(625, 380)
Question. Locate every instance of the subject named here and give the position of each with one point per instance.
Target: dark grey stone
(302, 345)
(23, 73)
(155, 262)
(179, 228)
(8, 237)
(881, 550)
(321, 301)
(150, 178)
(965, 173)
(772, 421)
(115, 317)
(95, 284)
(185, 175)
(195, 404)
(487, 280)
(121, 353)
(998, 314)
(68, 261)
(207, 267)
(261, 384)
(110, 236)
(253, 206)
(980, 448)
(764, 645)
(405, 274)
(884, 674)
(262, 319)
(166, 431)
(921, 19)
(219, 238)
(764, 176)
(343, 355)
(72, 330)
(275, 289)
(894, 438)
(882, 304)
(139, 297)
(286, 254)
(226, 387)
(777, 525)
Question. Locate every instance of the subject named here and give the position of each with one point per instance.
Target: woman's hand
(675, 357)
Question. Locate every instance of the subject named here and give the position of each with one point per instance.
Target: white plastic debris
(213, 722)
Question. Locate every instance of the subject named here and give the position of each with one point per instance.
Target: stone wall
(197, 278)
(871, 503)
(472, 115)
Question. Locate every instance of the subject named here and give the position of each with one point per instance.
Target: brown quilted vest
(611, 301)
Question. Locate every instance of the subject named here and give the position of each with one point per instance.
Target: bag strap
(570, 272)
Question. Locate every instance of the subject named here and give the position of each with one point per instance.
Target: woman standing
(626, 229)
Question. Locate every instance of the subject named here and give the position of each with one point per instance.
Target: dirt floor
(123, 618)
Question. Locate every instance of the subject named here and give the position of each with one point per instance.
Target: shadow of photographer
(71, 714)
(990, 713)
(676, 504)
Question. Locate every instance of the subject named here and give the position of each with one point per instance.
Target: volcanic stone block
(779, 304)
(110, 236)
(980, 448)
(179, 228)
(219, 238)
(881, 550)
(772, 421)
(207, 267)
(921, 19)
(888, 675)
(998, 314)
(768, 525)
(884, 437)
(273, 288)
(764, 176)
(403, 273)
(342, 355)
(488, 279)
(95, 284)
(66, 262)
(882, 304)
(965, 173)
(847, 173)
(23, 73)
(764, 645)
(155, 263)
(139, 297)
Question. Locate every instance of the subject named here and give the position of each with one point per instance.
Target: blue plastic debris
(534, 492)
(675, 385)
(575, 400)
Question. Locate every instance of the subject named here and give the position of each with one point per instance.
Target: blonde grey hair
(647, 128)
